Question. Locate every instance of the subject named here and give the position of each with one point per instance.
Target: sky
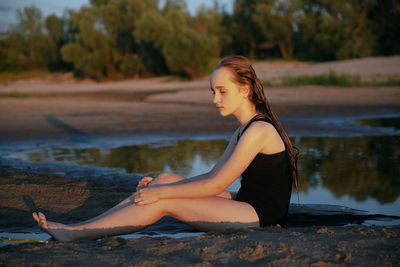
(8, 7)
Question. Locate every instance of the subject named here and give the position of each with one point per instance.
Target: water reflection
(382, 122)
(363, 167)
(359, 168)
(181, 157)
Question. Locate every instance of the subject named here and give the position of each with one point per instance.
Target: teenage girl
(259, 151)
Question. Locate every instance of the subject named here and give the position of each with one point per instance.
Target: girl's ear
(245, 90)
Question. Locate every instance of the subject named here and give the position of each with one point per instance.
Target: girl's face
(228, 96)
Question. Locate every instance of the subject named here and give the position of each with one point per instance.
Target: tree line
(114, 39)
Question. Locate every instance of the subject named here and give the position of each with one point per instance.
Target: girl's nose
(216, 98)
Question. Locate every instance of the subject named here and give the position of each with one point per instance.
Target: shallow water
(360, 172)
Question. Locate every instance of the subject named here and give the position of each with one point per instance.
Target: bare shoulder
(262, 128)
(268, 137)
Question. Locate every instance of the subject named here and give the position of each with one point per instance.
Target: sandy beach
(39, 110)
(322, 246)
(46, 109)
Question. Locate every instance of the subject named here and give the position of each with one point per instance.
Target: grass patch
(267, 84)
(9, 75)
(391, 81)
(14, 95)
(331, 78)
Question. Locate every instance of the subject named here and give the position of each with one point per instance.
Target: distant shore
(32, 109)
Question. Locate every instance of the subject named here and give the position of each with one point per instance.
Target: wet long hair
(244, 74)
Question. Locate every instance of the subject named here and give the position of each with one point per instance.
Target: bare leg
(122, 220)
(164, 178)
(96, 227)
(212, 213)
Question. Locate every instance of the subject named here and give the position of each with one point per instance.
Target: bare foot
(41, 220)
(59, 231)
(64, 233)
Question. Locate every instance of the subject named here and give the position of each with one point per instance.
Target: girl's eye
(222, 92)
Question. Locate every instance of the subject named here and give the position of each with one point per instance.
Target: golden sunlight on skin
(229, 97)
(199, 201)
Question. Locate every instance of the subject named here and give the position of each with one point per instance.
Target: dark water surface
(359, 172)
(382, 122)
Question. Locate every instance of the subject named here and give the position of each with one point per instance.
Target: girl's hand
(144, 182)
(146, 195)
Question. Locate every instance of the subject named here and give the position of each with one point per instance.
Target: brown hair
(244, 74)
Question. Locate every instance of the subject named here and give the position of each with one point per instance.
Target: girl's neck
(246, 115)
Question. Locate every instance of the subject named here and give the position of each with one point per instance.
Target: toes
(43, 221)
(41, 216)
(40, 219)
(35, 217)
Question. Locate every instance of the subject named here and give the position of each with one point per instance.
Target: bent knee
(167, 178)
(169, 206)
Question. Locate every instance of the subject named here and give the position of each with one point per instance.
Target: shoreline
(190, 113)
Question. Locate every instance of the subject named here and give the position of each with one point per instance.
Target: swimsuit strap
(258, 117)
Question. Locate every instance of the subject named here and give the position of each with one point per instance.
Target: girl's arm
(222, 160)
(219, 178)
(148, 181)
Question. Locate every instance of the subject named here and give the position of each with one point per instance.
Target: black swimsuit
(267, 184)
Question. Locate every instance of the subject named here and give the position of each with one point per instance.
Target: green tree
(244, 31)
(104, 36)
(188, 50)
(212, 22)
(89, 53)
(27, 47)
(275, 21)
(61, 31)
(336, 29)
(120, 19)
(386, 15)
(99, 2)
(187, 46)
(38, 47)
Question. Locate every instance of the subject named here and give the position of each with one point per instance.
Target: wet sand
(74, 111)
(316, 246)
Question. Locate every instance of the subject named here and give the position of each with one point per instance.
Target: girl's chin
(224, 114)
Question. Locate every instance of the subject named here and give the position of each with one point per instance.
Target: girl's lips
(219, 107)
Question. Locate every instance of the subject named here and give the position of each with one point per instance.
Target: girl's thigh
(212, 213)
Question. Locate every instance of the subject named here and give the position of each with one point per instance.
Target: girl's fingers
(145, 202)
(148, 180)
(35, 217)
(141, 197)
(145, 181)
